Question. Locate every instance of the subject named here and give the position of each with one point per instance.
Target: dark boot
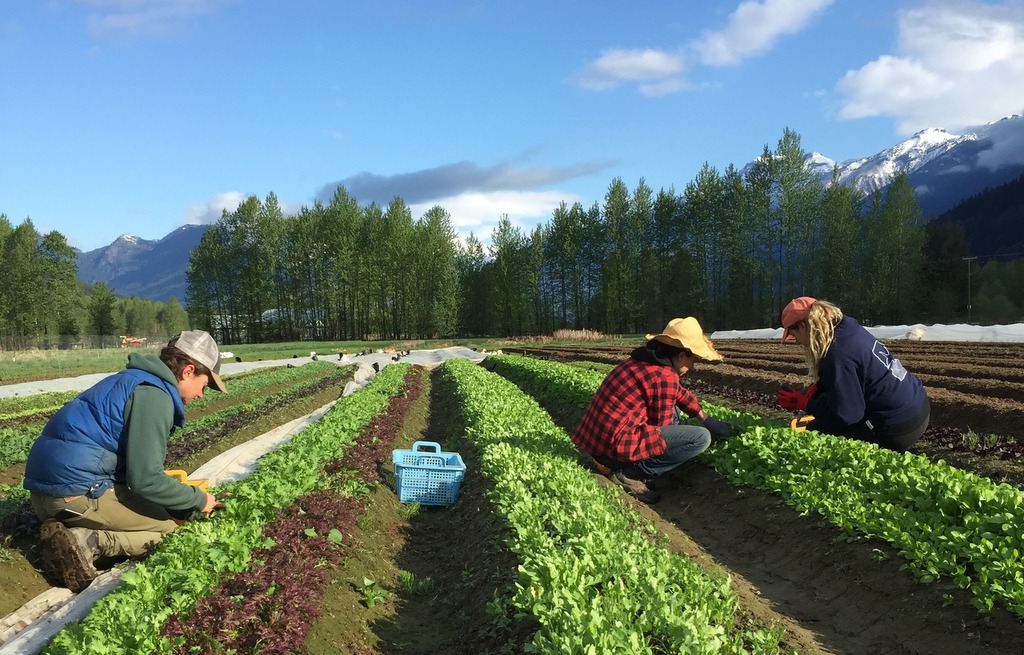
(634, 486)
(70, 553)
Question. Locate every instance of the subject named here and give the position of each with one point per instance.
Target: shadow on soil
(454, 558)
(849, 597)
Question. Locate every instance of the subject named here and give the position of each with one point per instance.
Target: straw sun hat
(687, 333)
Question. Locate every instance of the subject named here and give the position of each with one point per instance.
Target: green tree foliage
(945, 274)
(732, 250)
(999, 297)
(508, 276)
(895, 240)
(702, 213)
(24, 277)
(840, 242)
(171, 317)
(436, 295)
(614, 265)
(797, 203)
(476, 313)
(102, 316)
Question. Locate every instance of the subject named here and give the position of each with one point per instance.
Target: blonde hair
(822, 319)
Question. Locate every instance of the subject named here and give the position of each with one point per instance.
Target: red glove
(794, 400)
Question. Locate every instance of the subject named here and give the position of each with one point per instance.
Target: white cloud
(479, 213)
(1007, 147)
(956, 65)
(655, 70)
(214, 208)
(751, 30)
(209, 213)
(143, 17)
(754, 28)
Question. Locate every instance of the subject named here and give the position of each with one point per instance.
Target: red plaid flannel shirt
(633, 401)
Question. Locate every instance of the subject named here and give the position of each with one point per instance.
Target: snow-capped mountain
(872, 173)
(944, 168)
(141, 267)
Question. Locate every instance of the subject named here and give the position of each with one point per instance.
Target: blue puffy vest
(80, 451)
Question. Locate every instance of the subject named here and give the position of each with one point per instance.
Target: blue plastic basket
(427, 476)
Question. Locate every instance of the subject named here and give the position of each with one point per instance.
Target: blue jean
(684, 443)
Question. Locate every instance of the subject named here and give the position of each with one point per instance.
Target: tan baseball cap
(687, 333)
(201, 347)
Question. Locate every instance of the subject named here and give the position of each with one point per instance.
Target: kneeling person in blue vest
(96, 474)
(631, 427)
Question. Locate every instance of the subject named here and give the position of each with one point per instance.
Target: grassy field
(28, 365)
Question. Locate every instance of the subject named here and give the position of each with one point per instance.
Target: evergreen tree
(102, 304)
(23, 280)
(797, 203)
(436, 297)
(509, 255)
(60, 293)
(616, 269)
(747, 283)
(945, 274)
(895, 258)
(766, 293)
(172, 317)
(838, 273)
(703, 212)
(476, 313)
(640, 251)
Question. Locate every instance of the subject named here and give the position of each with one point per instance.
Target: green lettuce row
(204, 422)
(189, 561)
(32, 403)
(15, 442)
(592, 572)
(258, 379)
(945, 521)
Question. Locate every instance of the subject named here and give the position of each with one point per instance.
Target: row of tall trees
(43, 304)
(335, 271)
(731, 249)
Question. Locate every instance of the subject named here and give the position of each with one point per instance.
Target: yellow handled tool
(800, 423)
(182, 477)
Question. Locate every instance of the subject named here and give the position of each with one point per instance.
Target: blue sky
(143, 115)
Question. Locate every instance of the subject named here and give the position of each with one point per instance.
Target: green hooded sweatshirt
(149, 423)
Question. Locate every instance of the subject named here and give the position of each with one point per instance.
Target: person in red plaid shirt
(631, 424)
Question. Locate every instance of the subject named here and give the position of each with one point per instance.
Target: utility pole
(968, 260)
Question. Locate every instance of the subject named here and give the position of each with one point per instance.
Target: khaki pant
(127, 524)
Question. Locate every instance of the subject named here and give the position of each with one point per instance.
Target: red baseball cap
(794, 312)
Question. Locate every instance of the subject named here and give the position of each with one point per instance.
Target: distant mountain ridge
(138, 267)
(944, 168)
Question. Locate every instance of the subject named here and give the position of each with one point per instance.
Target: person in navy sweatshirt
(859, 390)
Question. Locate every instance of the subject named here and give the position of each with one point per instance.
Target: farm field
(428, 580)
(976, 391)
(261, 400)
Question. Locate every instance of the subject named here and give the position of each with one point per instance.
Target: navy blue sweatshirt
(858, 380)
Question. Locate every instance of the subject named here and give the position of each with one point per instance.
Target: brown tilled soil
(20, 564)
(975, 387)
(832, 595)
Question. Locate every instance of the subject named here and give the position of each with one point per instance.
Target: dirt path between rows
(836, 596)
(852, 597)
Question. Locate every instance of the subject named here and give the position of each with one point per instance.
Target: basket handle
(433, 445)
